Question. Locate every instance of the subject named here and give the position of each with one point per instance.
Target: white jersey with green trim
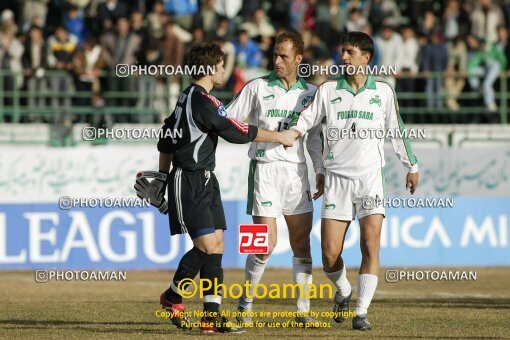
(373, 108)
(266, 103)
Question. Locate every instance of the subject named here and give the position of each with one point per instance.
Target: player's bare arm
(290, 136)
(319, 185)
(165, 159)
(286, 138)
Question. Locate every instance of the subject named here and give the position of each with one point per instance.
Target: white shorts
(276, 188)
(344, 198)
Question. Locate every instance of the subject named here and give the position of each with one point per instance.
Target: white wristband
(413, 169)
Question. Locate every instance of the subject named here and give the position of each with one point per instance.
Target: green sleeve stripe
(322, 142)
(294, 120)
(383, 177)
(251, 187)
(401, 127)
(409, 150)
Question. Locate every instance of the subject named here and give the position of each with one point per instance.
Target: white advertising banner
(43, 174)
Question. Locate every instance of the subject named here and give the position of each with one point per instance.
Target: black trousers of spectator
(82, 87)
(121, 85)
(404, 85)
(8, 86)
(35, 100)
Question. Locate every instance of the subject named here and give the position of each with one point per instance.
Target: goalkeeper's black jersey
(191, 132)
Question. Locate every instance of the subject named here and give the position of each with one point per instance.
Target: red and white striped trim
(241, 126)
(215, 101)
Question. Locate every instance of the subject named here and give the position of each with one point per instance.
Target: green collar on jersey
(273, 80)
(344, 85)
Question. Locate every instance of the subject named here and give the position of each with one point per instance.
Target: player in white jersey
(278, 179)
(355, 168)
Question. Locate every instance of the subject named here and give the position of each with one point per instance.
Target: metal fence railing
(59, 100)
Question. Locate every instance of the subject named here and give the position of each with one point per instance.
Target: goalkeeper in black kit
(194, 201)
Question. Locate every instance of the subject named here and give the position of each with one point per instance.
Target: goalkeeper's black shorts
(194, 203)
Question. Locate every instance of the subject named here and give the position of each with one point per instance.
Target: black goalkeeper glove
(155, 190)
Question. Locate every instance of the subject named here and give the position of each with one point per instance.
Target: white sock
(302, 274)
(213, 298)
(339, 278)
(253, 271)
(367, 283)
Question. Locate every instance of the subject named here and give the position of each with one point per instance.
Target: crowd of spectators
(458, 45)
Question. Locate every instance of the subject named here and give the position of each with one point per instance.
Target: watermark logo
(395, 275)
(122, 70)
(253, 239)
(43, 276)
(304, 70)
(67, 203)
(307, 70)
(368, 202)
(125, 70)
(91, 133)
(348, 314)
(335, 134)
(189, 288)
(371, 202)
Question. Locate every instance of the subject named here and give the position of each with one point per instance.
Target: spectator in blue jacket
(247, 51)
(435, 59)
(183, 11)
(75, 24)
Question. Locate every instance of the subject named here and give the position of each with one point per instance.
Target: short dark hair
(203, 55)
(35, 28)
(360, 40)
(294, 38)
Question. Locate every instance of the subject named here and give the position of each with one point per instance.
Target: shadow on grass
(97, 327)
(478, 303)
(66, 322)
(86, 326)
